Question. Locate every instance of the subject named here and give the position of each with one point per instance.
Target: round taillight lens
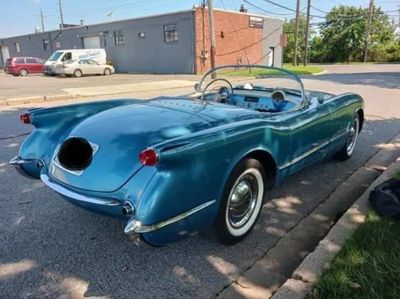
(25, 118)
(149, 157)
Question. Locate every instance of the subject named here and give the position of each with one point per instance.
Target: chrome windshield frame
(304, 99)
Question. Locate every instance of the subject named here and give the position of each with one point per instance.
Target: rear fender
(51, 124)
(192, 171)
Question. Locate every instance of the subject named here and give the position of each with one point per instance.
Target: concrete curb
(313, 266)
(320, 73)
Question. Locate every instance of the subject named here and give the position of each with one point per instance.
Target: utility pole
(212, 32)
(296, 33)
(61, 14)
(41, 18)
(307, 31)
(368, 32)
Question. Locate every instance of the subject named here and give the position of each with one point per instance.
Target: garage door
(91, 42)
(5, 53)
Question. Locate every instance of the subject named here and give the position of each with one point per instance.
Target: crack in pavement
(14, 136)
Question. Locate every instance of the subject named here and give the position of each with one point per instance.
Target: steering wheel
(223, 92)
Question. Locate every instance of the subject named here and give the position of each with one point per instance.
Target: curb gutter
(313, 266)
(272, 270)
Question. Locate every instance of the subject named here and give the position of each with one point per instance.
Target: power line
(291, 9)
(266, 11)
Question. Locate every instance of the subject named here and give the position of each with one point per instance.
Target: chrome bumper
(136, 227)
(19, 161)
(76, 196)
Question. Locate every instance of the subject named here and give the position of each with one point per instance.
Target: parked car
(172, 166)
(78, 68)
(22, 66)
(62, 56)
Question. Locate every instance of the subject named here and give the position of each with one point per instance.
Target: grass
(368, 265)
(299, 70)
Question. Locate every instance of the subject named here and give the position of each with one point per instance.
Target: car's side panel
(172, 191)
(343, 109)
(310, 133)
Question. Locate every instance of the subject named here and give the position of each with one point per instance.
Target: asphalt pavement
(50, 248)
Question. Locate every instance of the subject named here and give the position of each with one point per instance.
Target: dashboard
(261, 103)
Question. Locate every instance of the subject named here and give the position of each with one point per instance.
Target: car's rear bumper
(77, 196)
(112, 205)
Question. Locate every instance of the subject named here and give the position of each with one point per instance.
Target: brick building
(170, 43)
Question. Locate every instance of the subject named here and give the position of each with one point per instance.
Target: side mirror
(197, 87)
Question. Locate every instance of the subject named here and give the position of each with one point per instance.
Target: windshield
(251, 79)
(252, 87)
(55, 56)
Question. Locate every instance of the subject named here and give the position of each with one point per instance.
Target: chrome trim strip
(68, 193)
(135, 227)
(17, 160)
(302, 156)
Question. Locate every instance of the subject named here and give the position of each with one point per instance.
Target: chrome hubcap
(351, 141)
(243, 200)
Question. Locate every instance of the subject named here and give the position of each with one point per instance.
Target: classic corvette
(173, 166)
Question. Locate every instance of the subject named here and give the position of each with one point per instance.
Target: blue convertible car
(172, 166)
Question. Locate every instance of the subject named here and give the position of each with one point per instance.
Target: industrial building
(170, 43)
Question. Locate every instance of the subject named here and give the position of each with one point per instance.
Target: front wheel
(23, 72)
(352, 136)
(107, 71)
(241, 202)
(77, 73)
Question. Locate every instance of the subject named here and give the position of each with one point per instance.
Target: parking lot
(50, 248)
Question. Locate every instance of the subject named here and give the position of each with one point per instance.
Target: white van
(61, 56)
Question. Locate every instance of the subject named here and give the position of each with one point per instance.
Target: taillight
(149, 157)
(25, 118)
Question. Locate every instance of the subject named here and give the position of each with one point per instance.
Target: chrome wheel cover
(244, 202)
(352, 138)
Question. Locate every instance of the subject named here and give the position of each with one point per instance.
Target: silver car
(78, 68)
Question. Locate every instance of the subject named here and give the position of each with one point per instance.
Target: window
(20, 60)
(119, 38)
(31, 60)
(256, 22)
(141, 35)
(46, 44)
(170, 33)
(67, 56)
(17, 47)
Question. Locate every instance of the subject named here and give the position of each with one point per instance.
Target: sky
(20, 17)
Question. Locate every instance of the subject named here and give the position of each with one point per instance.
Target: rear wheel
(107, 71)
(77, 73)
(23, 72)
(241, 202)
(352, 136)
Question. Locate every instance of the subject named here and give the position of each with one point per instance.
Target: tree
(343, 33)
(289, 28)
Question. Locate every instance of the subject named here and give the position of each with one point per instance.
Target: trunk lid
(120, 135)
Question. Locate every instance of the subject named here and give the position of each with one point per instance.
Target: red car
(23, 66)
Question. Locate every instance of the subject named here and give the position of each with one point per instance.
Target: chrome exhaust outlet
(128, 209)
